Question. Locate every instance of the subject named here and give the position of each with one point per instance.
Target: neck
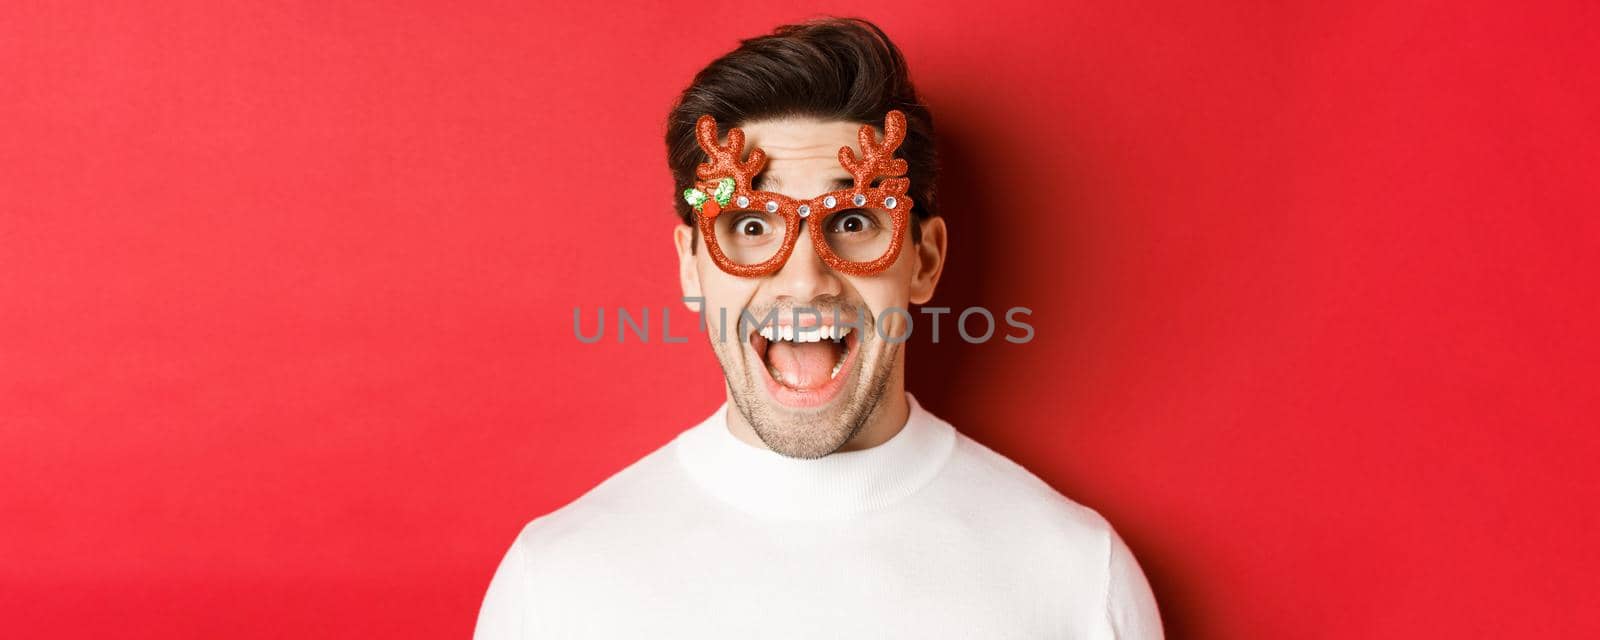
(758, 480)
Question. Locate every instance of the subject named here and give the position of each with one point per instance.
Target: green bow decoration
(697, 198)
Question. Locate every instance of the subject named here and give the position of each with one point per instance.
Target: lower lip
(814, 397)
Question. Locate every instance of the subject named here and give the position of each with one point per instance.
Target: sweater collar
(766, 483)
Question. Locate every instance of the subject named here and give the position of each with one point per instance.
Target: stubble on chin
(816, 435)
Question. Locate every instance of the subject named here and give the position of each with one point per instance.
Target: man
(821, 500)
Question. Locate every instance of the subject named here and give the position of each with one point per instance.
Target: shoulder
(977, 478)
(1010, 489)
(564, 544)
(639, 493)
(1028, 522)
(1069, 553)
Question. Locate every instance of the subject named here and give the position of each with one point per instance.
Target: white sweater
(929, 535)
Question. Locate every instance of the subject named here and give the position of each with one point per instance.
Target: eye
(752, 226)
(850, 222)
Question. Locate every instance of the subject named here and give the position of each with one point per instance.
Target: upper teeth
(805, 334)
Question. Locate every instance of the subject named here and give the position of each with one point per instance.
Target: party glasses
(751, 233)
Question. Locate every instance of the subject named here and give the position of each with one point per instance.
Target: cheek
(722, 290)
(883, 294)
(892, 288)
(887, 290)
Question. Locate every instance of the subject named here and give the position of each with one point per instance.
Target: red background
(286, 298)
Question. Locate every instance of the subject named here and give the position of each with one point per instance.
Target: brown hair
(831, 69)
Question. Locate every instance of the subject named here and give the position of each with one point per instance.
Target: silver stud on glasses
(743, 202)
(804, 211)
(889, 202)
(860, 200)
(772, 206)
(829, 202)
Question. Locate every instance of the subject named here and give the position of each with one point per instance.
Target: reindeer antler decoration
(877, 159)
(725, 158)
(724, 161)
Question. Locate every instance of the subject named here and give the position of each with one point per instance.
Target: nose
(805, 277)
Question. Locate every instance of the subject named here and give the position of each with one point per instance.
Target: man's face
(807, 397)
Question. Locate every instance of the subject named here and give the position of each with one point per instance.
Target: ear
(688, 275)
(930, 252)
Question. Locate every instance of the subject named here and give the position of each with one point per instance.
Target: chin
(809, 409)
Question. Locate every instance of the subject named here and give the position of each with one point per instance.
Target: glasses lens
(859, 235)
(749, 237)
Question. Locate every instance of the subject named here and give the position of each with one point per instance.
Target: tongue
(802, 365)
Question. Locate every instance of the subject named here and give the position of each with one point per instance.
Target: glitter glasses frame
(725, 182)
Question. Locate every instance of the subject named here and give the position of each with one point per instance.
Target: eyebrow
(766, 182)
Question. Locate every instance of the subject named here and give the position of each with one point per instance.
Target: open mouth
(805, 365)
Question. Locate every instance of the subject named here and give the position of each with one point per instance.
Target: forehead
(802, 153)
